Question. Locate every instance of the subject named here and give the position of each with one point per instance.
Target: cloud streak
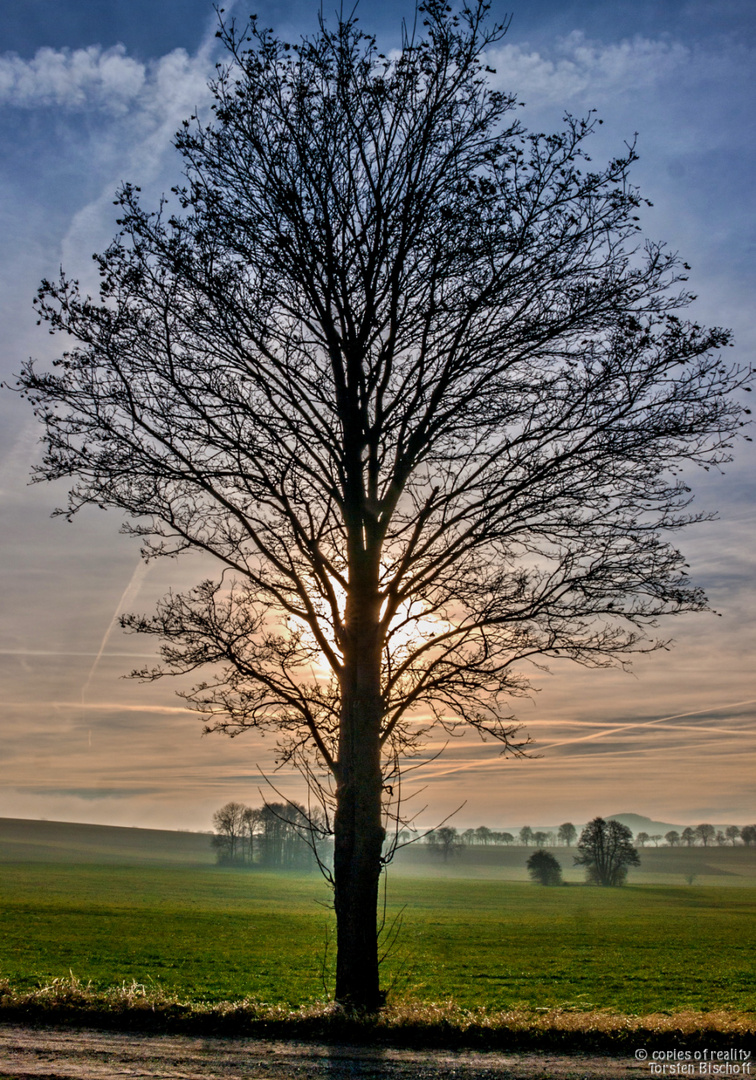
(606, 732)
(128, 595)
(637, 725)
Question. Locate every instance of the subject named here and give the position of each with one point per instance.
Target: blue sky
(91, 94)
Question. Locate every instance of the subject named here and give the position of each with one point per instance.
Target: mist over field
(25, 841)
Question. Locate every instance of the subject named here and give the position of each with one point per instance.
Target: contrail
(103, 706)
(647, 723)
(129, 593)
(600, 734)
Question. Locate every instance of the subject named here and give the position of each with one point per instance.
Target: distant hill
(23, 840)
(638, 823)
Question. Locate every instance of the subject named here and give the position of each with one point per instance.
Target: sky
(91, 93)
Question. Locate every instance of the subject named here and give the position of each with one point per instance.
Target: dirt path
(100, 1055)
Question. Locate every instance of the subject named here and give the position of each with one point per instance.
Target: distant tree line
(275, 836)
(605, 847)
(447, 839)
(700, 834)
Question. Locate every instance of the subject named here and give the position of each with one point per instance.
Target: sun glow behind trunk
(412, 625)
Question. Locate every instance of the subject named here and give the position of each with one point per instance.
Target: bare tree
(276, 836)
(284, 836)
(606, 851)
(732, 832)
(567, 833)
(705, 833)
(408, 374)
(230, 824)
(448, 841)
(689, 836)
(672, 837)
(251, 822)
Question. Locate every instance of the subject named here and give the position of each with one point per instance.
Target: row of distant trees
(283, 836)
(605, 848)
(446, 839)
(704, 834)
(275, 836)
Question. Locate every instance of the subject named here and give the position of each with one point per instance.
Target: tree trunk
(358, 826)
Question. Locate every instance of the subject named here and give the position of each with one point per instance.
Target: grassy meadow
(210, 933)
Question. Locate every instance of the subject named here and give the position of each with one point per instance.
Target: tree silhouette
(448, 840)
(705, 833)
(544, 868)
(230, 824)
(407, 373)
(606, 851)
(567, 833)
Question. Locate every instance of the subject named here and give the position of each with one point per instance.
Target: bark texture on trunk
(358, 825)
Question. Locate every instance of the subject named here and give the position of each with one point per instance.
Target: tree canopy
(606, 851)
(544, 868)
(408, 373)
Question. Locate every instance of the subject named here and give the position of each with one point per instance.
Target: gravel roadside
(71, 1054)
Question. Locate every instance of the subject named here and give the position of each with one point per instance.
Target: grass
(213, 935)
(134, 1007)
(206, 933)
(631, 950)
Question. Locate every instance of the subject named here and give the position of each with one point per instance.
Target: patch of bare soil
(66, 1054)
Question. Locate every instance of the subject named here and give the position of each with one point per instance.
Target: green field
(215, 934)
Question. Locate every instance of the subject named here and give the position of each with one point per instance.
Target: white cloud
(695, 97)
(73, 79)
(137, 146)
(103, 80)
(579, 65)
